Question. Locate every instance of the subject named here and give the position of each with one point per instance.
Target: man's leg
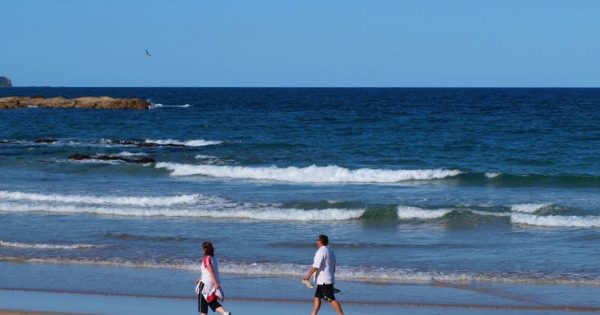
(316, 306)
(337, 307)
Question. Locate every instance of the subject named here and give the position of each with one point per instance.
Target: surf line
(563, 308)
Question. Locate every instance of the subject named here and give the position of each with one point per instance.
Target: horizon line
(309, 87)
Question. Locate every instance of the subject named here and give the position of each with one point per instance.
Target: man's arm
(311, 271)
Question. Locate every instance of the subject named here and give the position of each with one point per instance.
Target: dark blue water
(412, 185)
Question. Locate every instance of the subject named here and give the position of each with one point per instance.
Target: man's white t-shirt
(325, 263)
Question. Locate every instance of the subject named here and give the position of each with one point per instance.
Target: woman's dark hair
(324, 239)
(208, 248)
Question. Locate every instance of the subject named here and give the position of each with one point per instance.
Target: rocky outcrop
(81, 102)
(101, 157)
(5, 82)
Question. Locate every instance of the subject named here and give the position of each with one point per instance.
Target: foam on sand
(309, 174)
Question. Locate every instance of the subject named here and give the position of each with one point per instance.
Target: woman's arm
(213, 279)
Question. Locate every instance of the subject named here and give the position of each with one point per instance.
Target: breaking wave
(102, 200)
(556, 220)
(405, 212)
(529, 207)
(48, 246)
(194, 206)
(206, 206)
(274, 214)
(309, 174)
(353, 273)
(187, 143)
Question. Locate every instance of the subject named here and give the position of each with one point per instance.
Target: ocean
(419, 190)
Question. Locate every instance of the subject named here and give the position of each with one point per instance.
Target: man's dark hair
(208, 248)
(324, 239)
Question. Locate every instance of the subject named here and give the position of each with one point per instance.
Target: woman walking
(208, 285)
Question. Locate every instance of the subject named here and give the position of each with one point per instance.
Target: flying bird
(148, 53)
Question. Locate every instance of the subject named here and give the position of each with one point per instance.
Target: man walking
(324, 270)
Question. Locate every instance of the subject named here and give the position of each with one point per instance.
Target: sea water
(413, 186)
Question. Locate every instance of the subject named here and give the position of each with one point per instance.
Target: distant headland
(81, 102)
(5, 82)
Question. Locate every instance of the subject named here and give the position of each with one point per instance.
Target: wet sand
(55, 303)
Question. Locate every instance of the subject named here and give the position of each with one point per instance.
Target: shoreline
(486, 307)
(26, 312)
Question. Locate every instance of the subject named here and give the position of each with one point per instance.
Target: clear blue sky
(349, 43)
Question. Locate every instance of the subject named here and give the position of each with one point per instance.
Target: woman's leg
(217, 307)
(202, 305)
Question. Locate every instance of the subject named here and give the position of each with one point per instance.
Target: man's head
(322, 240)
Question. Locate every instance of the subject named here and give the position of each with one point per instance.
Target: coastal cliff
(81, 102)
(5, 82)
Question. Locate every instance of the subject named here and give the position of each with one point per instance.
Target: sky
(301, 43)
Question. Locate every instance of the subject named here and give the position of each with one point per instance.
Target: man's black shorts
(325, 291)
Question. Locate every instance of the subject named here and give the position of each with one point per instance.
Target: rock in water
(82, 102)
(5, 82)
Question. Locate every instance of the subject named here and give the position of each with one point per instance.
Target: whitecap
(111, 199)
(492, 175)
(188, 143)
(129, 154)
(309, 174)
(529, 207)
(406, 213)
(556, 220)
(215, 210)
(48, 246)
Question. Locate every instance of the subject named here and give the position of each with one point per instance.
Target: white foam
(214, 210)
(529, 207)
(309, 174)
(129, 154)
(494, 214)
(556, 220)
(158, 105)
(291, 214)
(93, 161)
(406, 213)
(291, 270)
(202, 156)
(492, 175)
(101, 200)
(188, 143)
(48, 246)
